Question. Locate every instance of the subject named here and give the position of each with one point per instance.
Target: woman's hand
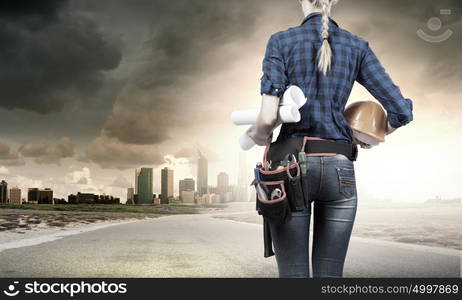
(361, 144)
(258, 138)
(390, 129)
(365, 146)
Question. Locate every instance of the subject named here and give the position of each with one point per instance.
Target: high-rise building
(45, 196)
(187, 196)
(242, 172)
(243, 179)
(72, 199)
(222, 184)
(32, 195)
(202, 175)
(15, 195)
(166, 185)
(212, 189)
(86, 198)
(40, 196)
(130, 194)
(186, 184)
(144, 181)
(137, 173)
(3, 191)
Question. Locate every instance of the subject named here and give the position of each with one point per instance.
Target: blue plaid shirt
(291, 59)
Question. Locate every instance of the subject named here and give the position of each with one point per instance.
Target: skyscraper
(15, 195)
(3, 191)
(186, 184)
(137, 173)
(143, 179)
(32, 195)
(45, 196)
(130, 194)
(166, 185)
(242, 173)
(187, 187)
(222, 184)
(40, 196)
(202, 175)
(243, 180)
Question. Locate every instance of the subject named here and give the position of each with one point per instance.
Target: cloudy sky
(90, 90)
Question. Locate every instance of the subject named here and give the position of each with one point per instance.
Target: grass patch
(57, 224)
(170, 209)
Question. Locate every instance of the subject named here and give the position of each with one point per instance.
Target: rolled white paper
(245, 117)
(292, 100)
(246, 142)
(287, 114)
(294, 96)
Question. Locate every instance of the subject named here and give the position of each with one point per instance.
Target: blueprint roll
(294, 96)
(246, 142)
(287, 114)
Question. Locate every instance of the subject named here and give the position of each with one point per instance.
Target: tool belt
(281, 180)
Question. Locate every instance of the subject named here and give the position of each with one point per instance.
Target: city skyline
(144, 186)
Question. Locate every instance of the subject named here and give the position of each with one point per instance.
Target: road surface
(203, 246)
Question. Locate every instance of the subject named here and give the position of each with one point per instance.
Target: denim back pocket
(347, 181)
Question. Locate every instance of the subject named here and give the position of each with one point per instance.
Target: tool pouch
(276, 210)
(288, 180)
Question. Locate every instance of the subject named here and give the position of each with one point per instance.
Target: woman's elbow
(269, 110)
(268, 121)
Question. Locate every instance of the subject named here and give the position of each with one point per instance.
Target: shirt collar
(315, 15)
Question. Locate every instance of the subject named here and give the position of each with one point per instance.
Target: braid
(325, 53)
(325, 19)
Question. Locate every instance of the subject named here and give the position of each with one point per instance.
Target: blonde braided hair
(325, 52)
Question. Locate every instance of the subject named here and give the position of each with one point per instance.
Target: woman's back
(291, 59)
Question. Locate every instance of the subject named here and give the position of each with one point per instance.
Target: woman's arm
(262, 132)
(273, 84)
(375, 79)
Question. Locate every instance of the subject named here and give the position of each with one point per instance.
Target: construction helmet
(368, 121)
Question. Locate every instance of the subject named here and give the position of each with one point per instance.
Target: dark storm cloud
(9, 157)
(47, 152)
(177, 39)
(42, 8)
(110, 153)
(183, 34)
(50, 56)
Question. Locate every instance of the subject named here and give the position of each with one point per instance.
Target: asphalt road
(203, 246)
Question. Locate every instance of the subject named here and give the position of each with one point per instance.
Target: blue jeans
(332, 189)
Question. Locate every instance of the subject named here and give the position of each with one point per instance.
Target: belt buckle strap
(331, 148)
(354, 150)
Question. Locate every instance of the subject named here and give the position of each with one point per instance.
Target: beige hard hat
(367, 119)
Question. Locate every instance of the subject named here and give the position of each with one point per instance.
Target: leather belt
(320, 147)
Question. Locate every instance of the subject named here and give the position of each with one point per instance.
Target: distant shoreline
(25, 218)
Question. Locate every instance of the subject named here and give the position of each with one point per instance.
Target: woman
(324, 61)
